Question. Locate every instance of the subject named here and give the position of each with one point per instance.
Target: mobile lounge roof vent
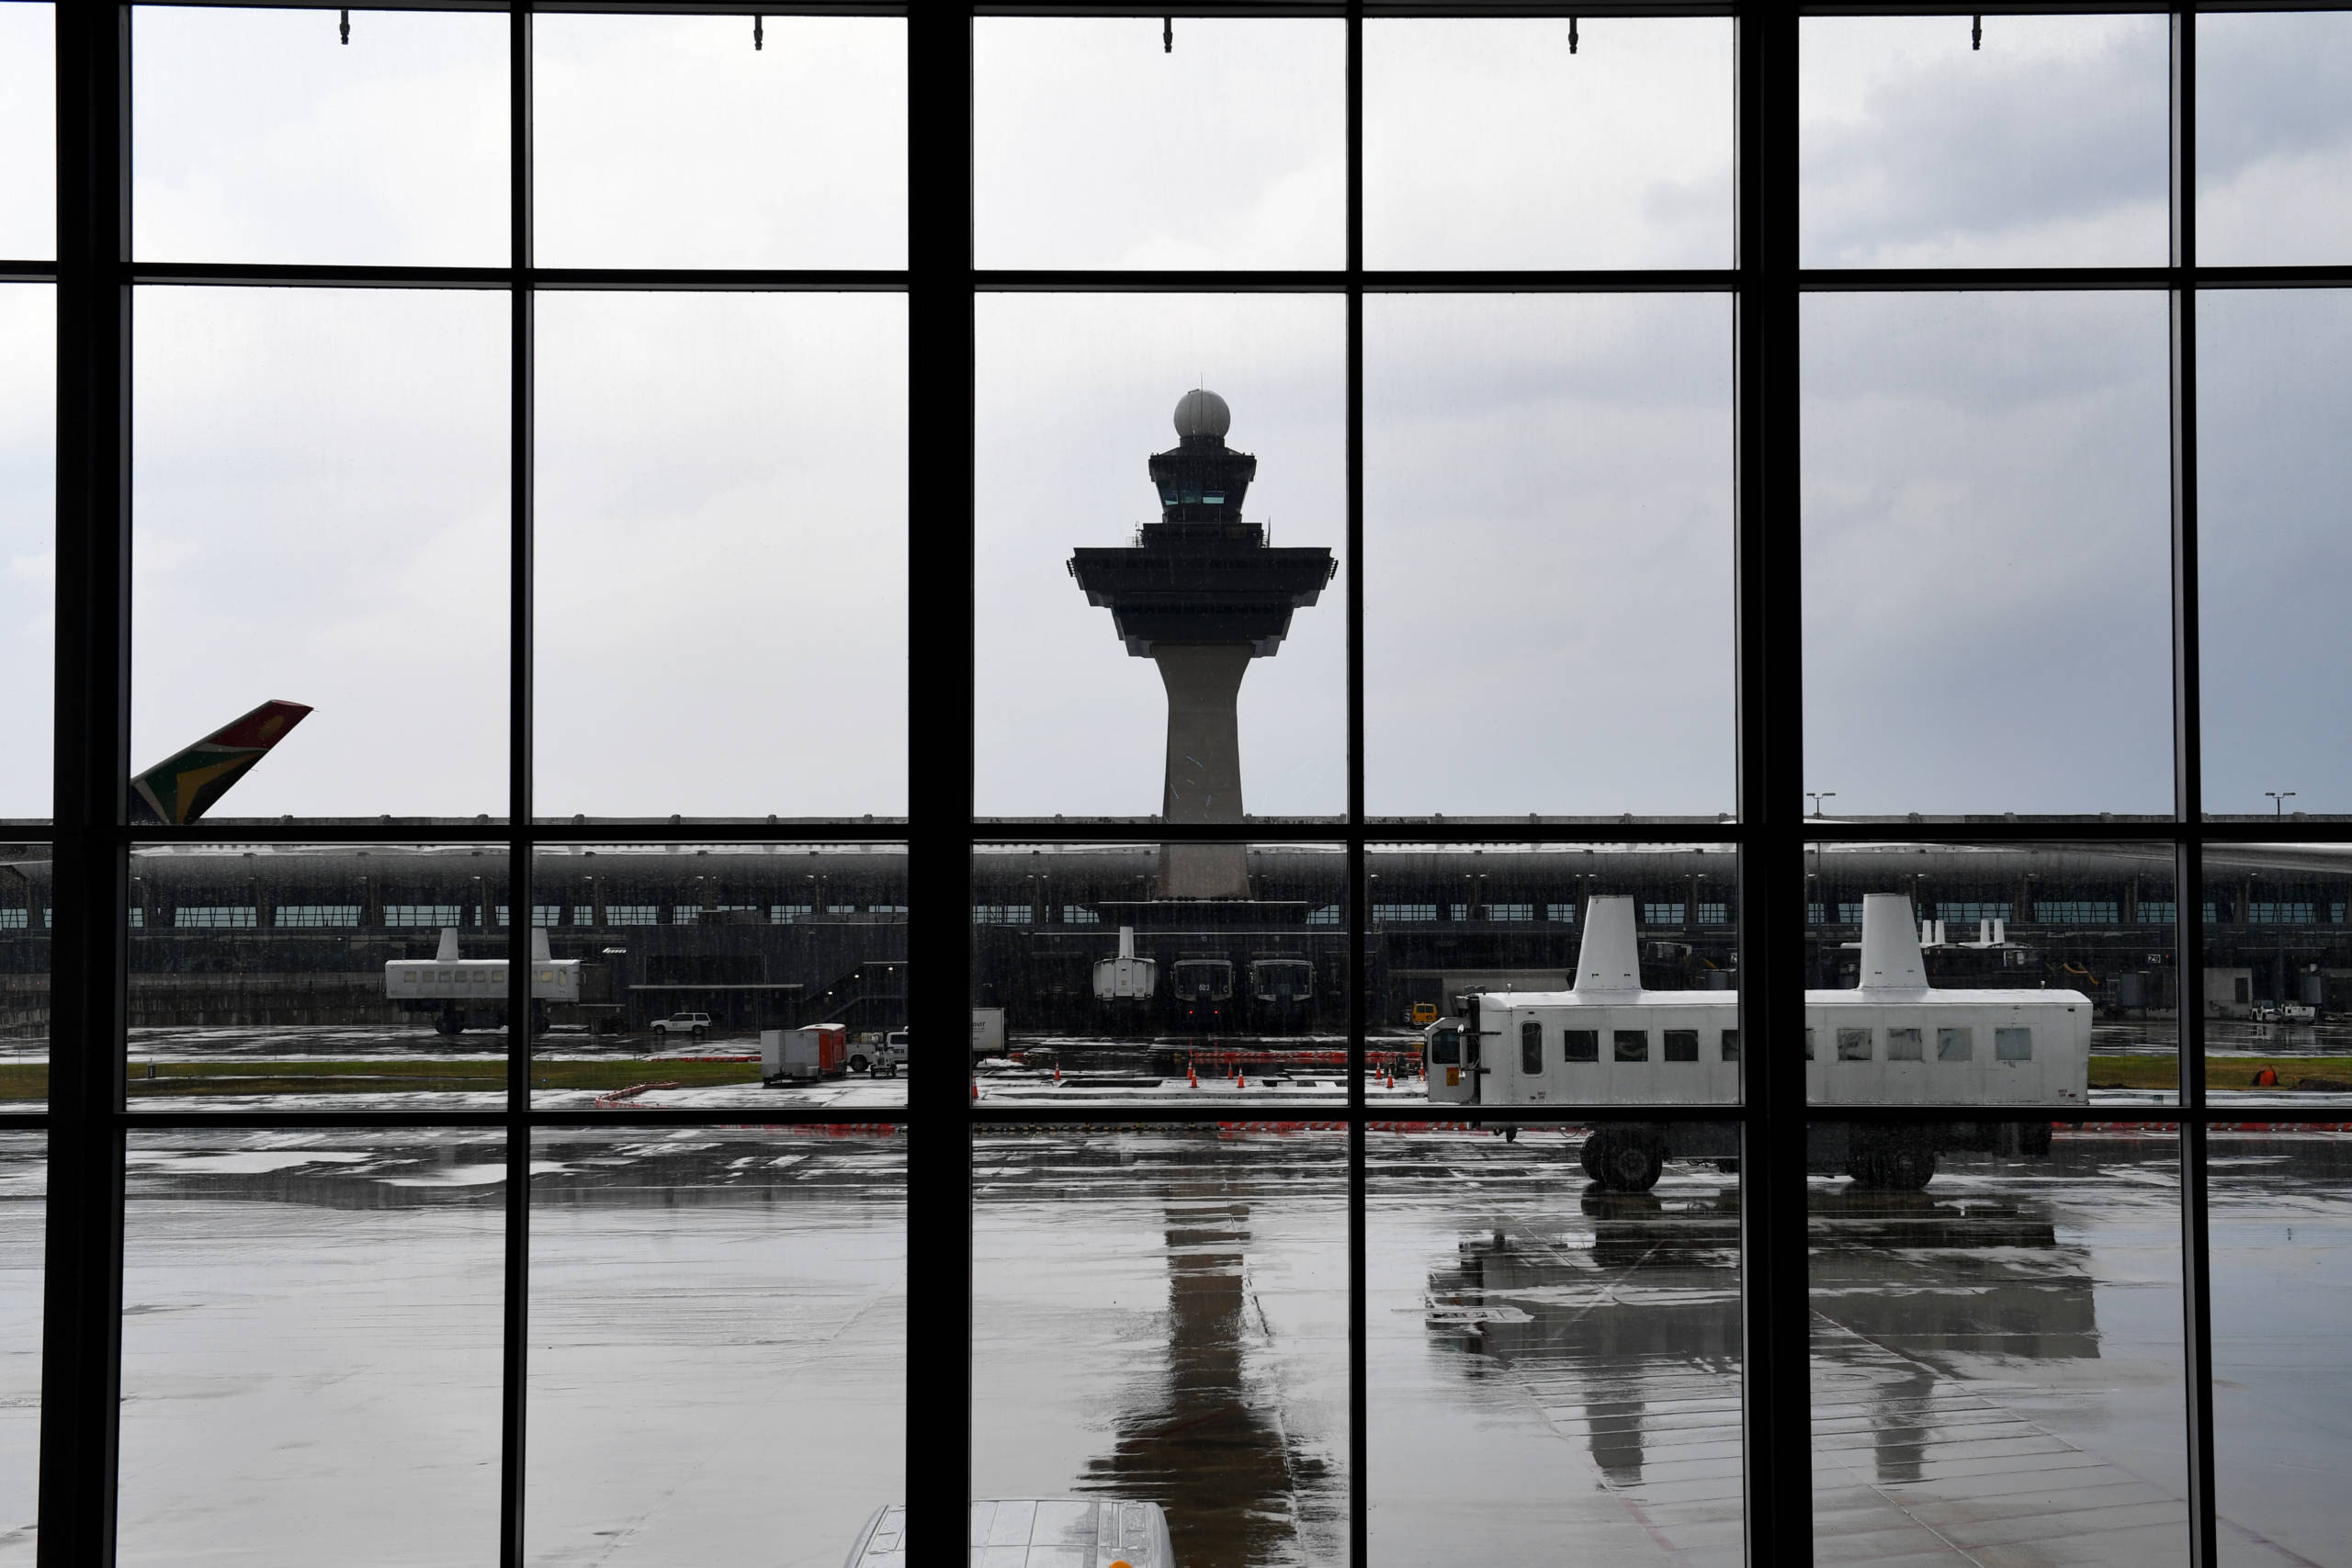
(1890, 945)
(1609, 959)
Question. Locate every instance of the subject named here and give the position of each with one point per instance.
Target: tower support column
(1203, 782)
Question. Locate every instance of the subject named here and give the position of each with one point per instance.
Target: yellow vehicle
(1423, 1012)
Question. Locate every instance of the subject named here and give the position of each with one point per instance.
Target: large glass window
(1560, 726)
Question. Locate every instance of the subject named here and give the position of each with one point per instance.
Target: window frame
(88, 1117)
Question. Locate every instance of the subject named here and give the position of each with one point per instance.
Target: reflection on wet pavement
(1189, 1291)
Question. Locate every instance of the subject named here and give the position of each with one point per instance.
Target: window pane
(27, 533)
(2047, 147)
(1554, 1374)
(752, 975)
(1160, 1319)
(2282, 1262)
(2273, 138)
(318, 976)
(1095, 146)
(2046, 976)
(711, 1309)
(26, 894)
(257, 136)
(1487, 145)
(1987, 552)
(311, 1347)
(2275, 984)
(1098, 978)
(1118, 612)
(28, 129)
(1542, 471)
(681, 142)
(1592, 945)
(721, 533)
(24, 1225)
(2273, 563)
(320, 503)
(1997, 1367)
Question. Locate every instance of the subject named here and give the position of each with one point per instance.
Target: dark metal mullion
(1776, 1446)
(2188, 793)
(522, 457)
(82, 1278)
(1359, 908)
(941, 436)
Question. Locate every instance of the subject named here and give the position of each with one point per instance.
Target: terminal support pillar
(1204, 682)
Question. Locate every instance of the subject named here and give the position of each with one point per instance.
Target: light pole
(2279, 799)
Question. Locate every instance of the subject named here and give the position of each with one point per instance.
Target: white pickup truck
(694, 1023)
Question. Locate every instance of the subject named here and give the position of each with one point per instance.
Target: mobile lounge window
(1904, 1045)
(1580, 1044)
(1633, 1044)
(2013, 1045)
(1853, 1044)
(1731, 1045)
(1955, 1044)
(1445, 1048)
(1530, 1047)
(1681, 1046)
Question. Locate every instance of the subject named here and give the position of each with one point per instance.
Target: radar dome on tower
(1202, 412)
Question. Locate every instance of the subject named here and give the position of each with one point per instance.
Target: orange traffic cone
(1058, 1072)
(1191, 1076)
(1239, 1080)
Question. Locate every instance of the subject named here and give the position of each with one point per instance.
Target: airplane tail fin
(184, 786)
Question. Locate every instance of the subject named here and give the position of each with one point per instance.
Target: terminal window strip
(1385, 913)
(632, 914)
(1714, 914)
(1964, 911)
(2274, 913)
(1001, 914)
(1564, 913)
(215, 917)
(316, 915)
(1662, 914)
(435, 915)
(2159, 911)
(1815, 914)
(785, 914)
(1077, 915)
(18, 917)
(1329, 915)
(541, 915)
(2080, 911)
(692, 914)
(901, 909)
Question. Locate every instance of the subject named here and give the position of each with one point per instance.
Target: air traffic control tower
(1201, 593)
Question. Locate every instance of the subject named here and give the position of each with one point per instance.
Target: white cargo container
(988, 1032)
(804, 1055)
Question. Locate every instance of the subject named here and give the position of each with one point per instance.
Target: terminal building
(293, 935)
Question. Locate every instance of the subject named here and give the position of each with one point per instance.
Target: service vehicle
(694, 1023)
(812, 1051)
(463, 993)
(1892, 1039)
(1035, 1532)
(1126, 981)
(883, 1058)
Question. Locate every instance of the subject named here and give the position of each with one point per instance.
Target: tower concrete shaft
(1203, 782)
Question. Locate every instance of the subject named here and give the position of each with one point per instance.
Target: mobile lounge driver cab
(1893, 1040)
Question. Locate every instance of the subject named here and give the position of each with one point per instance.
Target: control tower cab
(1201, 593)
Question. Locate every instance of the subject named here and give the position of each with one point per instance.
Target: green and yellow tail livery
(185, 786)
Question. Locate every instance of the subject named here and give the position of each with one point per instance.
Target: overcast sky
(320, 476)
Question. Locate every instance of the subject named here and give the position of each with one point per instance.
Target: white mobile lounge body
(1893, 1040)
(462, 991)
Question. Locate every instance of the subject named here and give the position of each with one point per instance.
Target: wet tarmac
(719, 1318)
